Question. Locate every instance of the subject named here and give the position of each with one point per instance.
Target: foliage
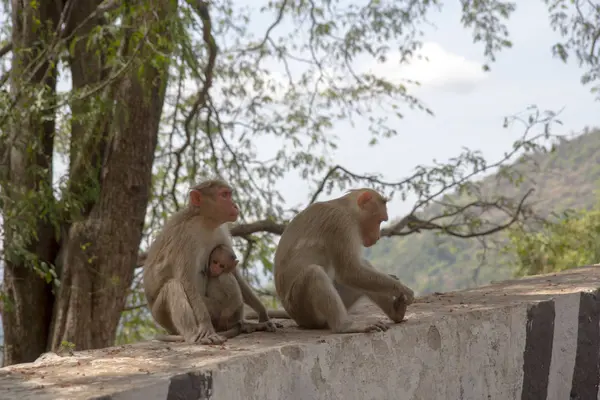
(571, 242)
(578, 21)
(563, 179)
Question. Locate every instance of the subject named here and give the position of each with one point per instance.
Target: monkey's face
(227, 207)
(216, 268)
(373, 210)
(222, 261)
(217, 203)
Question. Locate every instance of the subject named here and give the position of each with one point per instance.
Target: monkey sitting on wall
(173, 281)
(320, 272)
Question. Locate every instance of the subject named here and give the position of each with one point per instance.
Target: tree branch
(266, 225)
(5, 49)
(201, 8)
(271, 27)
(415, 225)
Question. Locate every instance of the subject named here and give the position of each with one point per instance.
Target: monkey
(320, 272)
(172, 279)
(348, 296)
(225, 303)
(224, 299)
(221, 260)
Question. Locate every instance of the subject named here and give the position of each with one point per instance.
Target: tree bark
(110, 174)
(102, 247)
(27, 309)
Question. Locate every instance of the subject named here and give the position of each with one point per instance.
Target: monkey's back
(169, 248)
(310, 238)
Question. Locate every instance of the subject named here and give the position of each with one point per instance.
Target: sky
(469, 104)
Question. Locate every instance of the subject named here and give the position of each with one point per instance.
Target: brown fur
(319, 269)
(174, 284)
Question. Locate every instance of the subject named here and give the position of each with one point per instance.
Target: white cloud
(433, 67)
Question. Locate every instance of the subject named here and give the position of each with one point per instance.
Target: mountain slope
(566, 178)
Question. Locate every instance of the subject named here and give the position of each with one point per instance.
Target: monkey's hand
(399, 310)
(206, 335)
(407, 295)
(270, 326)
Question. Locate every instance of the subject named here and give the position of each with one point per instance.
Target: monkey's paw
(378, 326)
(399, 310)
(271, 326)
(206, 337)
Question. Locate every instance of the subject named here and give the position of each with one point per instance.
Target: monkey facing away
(320, 272)
(174, 284)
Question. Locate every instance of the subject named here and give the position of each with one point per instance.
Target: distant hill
(569, 177)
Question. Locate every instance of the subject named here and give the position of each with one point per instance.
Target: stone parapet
(533, 338)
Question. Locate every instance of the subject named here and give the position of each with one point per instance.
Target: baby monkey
(221, 260)
(224, 297)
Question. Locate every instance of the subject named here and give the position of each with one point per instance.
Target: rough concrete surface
(534, 338)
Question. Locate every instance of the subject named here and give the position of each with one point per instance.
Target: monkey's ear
(195, 198)
(363, 199)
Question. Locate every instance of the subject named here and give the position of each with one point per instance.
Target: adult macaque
(174, 284)
(350, 296)
(319, 270)
(224, 299)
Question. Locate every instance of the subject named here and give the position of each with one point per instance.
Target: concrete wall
(536, 338)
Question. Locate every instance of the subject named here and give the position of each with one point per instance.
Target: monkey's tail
(281, 314)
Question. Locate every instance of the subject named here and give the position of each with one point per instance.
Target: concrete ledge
(535, 338)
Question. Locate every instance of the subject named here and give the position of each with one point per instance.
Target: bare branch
(5, 49)
(211, 45)
(136, 307)
(201, 8)
(414, 224)
(267, 225)
(370, 178)
(271, 27)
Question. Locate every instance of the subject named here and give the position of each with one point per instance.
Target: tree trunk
(27, 308)
(102, 249)
(112, 157)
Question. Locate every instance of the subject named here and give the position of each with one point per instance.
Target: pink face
(374, 212)
(221, 261)
(217, 203)
(226, 204)
(216, 268)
